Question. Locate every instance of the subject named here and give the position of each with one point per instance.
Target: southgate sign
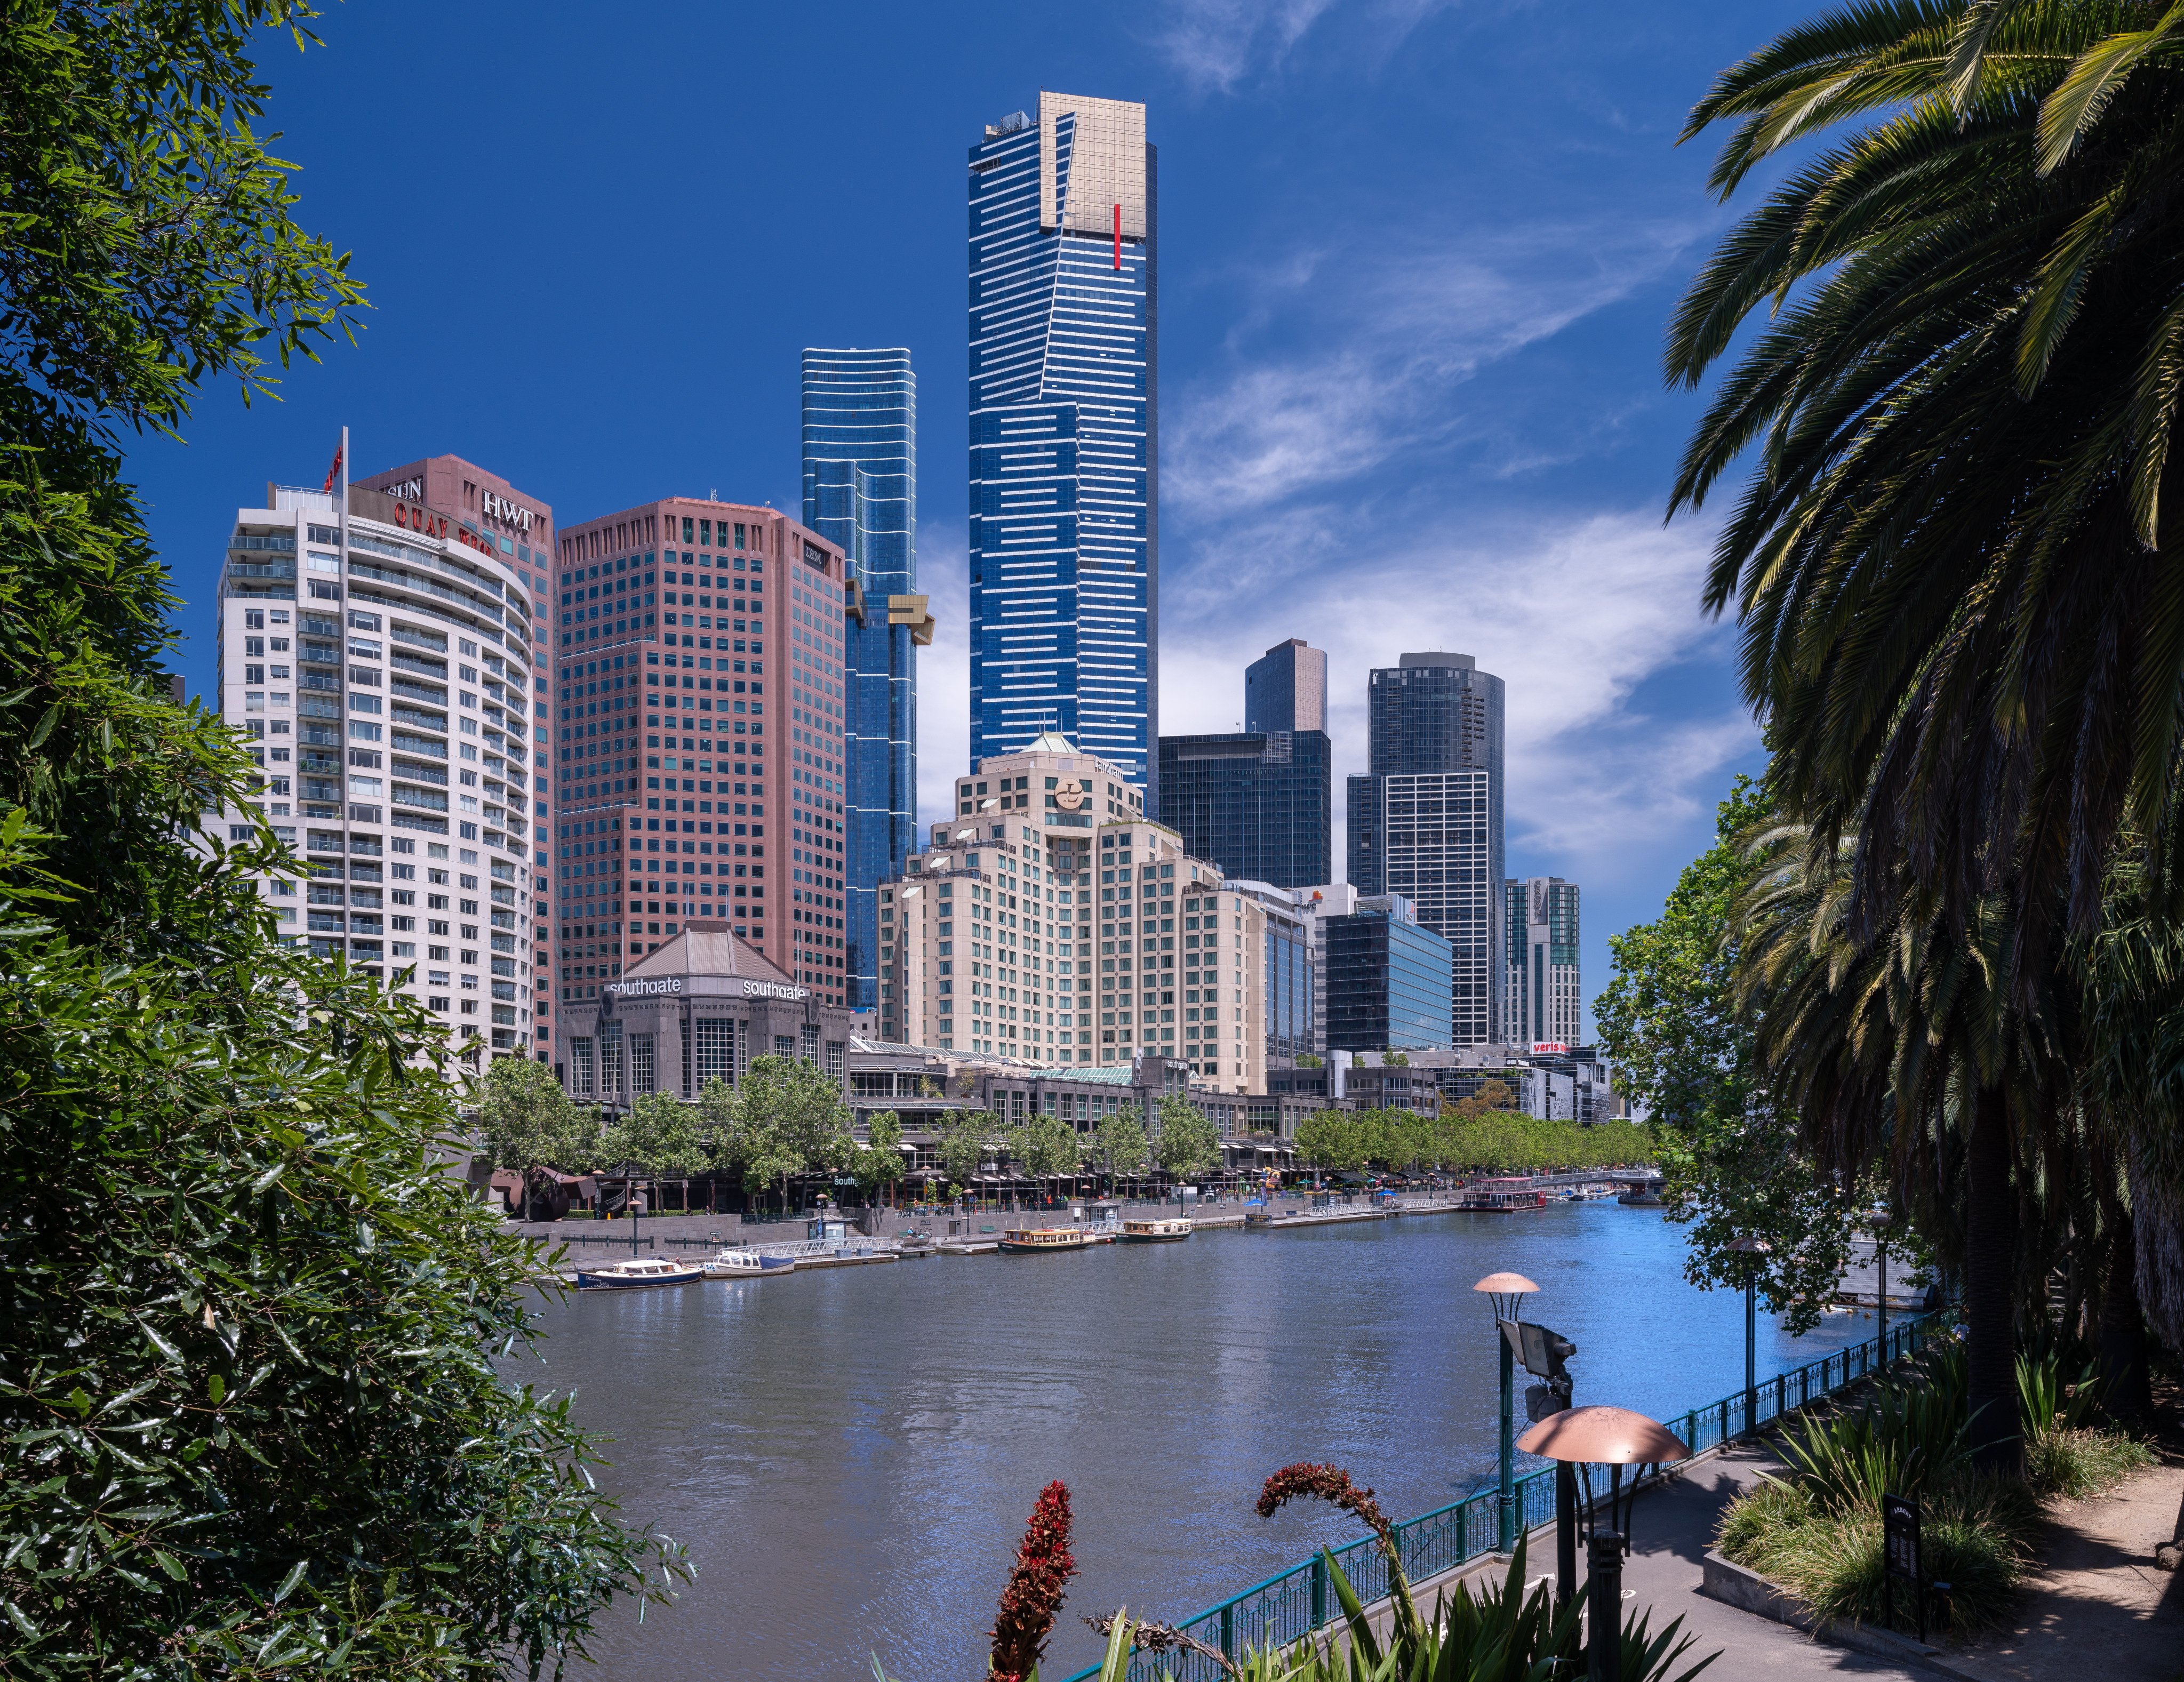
(773, 989)
(673, 985)
(638, 989)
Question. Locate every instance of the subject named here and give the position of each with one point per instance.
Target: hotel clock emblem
(1069, 798)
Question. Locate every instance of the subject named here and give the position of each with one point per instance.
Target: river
(850, 1456)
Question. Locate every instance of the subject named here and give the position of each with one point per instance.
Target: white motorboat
(748, 1264)
(637, 1273)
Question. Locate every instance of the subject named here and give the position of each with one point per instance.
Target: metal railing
(1290, 1605)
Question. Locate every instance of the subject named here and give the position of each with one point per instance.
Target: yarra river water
(850, 1456)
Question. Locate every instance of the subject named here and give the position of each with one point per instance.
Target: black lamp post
(1582, 1438)
(1506, 1291)
(1751, 1249)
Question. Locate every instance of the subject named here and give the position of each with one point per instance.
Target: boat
(1646, 1196)
(1502, 1196)
(1265, 1221)
(748, 1264)
(1037, 1240)
(1169, 1231)
(637, 1273)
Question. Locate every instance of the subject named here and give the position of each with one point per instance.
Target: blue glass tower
(861, 492)
(1064, 503)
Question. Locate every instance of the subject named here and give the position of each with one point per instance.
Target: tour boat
(1502, 1196)
(748, 1264)
(637, 1273)
(1036, 1240)
(1169, 1231)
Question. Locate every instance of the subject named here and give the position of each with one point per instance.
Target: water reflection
(850, 1456)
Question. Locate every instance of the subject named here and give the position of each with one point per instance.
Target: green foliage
(661, 1137)
(1464, 1140)
(1118, 1145)
(1732, 1168)
(530, 1122)
(1188, 1143)
(252, 1420)
(1043, 1147)
(880, 1165)
(146, 241)
(968, 1140)
(785, 1117)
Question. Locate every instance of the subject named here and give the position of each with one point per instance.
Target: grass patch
(1829, 1556)
(2082, 1462)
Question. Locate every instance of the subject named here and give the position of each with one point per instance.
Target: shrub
(2078, 1463)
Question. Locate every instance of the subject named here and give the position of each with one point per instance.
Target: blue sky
(1415, 259)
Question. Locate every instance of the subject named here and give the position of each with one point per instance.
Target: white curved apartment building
(384, 674)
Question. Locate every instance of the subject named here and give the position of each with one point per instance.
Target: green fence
(1290, 1605)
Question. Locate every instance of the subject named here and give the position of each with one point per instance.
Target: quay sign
(638, 989)
(773, 989)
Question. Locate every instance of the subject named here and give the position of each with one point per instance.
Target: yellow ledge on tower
(910, 610)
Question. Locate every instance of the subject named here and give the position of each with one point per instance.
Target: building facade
(1543, 1004)
(1285, 688)
(1425, 821)
(378, 656)
(861, 494)
(996, 949)
(697, 1007)
(1259, 804)
(1064, 428)
(1293, 988)
(1387, 978)
(699, 774)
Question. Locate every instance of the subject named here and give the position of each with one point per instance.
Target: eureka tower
(1064, 483)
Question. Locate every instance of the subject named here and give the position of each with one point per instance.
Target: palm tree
(1960, 621)
(1950, 562)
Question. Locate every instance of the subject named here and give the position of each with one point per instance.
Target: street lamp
(1615, 1437)
(1751, 1249)
(1878, 1220)
(1506, 1291)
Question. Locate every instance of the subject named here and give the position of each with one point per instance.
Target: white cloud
(1575, 616)
(1384, 341)
(1215, 44)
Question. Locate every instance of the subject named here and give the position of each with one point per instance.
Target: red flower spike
(1035, 1592)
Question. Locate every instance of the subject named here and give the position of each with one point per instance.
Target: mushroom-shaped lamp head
(1751, 1246)
(1603, 1436)
(1505, 1289)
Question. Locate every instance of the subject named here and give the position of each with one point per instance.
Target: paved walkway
(2096, 1611)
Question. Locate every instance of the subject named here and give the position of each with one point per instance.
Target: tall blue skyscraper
(1064, 505)
(861, 492)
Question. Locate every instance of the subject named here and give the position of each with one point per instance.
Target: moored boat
(1038, 1241)
(1171, 1230)
(1502, 1196)
(637, 1273)
(748, 1264)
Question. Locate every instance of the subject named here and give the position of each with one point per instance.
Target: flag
(334, 471)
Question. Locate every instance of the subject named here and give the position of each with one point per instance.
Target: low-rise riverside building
(700, 1006)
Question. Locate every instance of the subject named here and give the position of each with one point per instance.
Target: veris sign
(1544, 1047)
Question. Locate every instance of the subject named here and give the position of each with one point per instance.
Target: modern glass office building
(1426, 820)
(1387, 979)
(1064, 486)
(861, 494)
(1260, 805)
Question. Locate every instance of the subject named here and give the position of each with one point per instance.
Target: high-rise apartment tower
(861, 494)
(377, 647)
(1064, 425)
(1426, 819)
(1285, 688)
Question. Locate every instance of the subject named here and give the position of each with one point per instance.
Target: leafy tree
(248, 1323)
(662, 1136)
(879, 1165)
(1118, 1145)
(787, 1117)
(1683, 1048)
(1188, 1143)
(1044, 1147)
(531, 1125)
(967, 1140)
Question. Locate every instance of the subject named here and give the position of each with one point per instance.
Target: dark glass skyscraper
(861, 492)
(1064, 503)
(1426, 819)
(1285, 688)
(1387, 980)
(1259, 804)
